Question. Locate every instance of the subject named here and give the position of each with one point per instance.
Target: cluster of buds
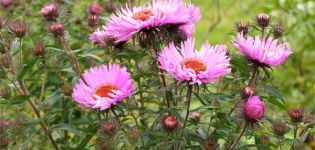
(109, 127)
(279, 128)
(296, 115)
(39, 49)
(169, 123)
(18, 28)
(50, 12)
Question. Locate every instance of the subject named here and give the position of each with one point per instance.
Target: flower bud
(102, 144)
(278, 30)
(296, 114)
(93, 21)
(310, 140)
(39, 50)
(264, 139)
(210, 145)
(66, 88)
(111, 6)
(247, 92)
(18, 28)
(4, 61)
(263, 20)
(109, 127)
(195, 116)
(45, 106)
(50, 12)
(5, 3)
(57, 29)
(254, 109)
(5, 92)
(4, 142)
(3, 125)
(242, 27)
(169, 123)
(16, 127)
(133, 134)
(95, 9)
(279, 128)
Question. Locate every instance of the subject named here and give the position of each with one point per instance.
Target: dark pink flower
(5, 3)
(95, 9)
(254, 109)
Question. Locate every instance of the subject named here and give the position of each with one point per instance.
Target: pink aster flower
(265, 51)
(187, 64)
(99, 36)
(105, 86)
(254, 109)
(130, 21)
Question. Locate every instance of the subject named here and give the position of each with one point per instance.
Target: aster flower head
(265, 51)
(50, 12)
(195, 67)
(254, 109)
(103, 86)
(127, 22)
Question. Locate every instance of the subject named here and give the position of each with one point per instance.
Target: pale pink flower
(264, 51)
(188, 64)
(254, 109)
(105, 86)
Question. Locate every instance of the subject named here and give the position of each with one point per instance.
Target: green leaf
(66, 127)
(23, 69)
(273, 92)
(16, 100)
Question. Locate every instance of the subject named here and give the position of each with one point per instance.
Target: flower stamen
(196, 65)
(105, 90)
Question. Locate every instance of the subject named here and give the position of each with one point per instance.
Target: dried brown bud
(247, 92)
(4, 142)
(57, 29)
(296, 114)
(195, 116)
(264, 139)
(263, 20)
(109, 127)
(133, 134)
(210, 145)
(278, 30)
(169, 123)
(242, 27)
(18, 28)
(279, 128)
(50, 12)
(39, 50)
(93, 21)
(67, 88)
(102, 144)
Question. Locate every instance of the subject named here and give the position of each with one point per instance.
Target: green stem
(239, 138)
(252, 81)
(295, 130)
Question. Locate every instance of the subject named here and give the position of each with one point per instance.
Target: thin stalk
(113, 111)
(43, 83)
(189, 92)
(71, 56)
(164, 141)
(239, 138)
(295, 130)
(252, 81)
(280, 143)
(176, 92)
(134, 118)
(21, 52)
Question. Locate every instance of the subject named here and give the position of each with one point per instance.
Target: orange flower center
(142, 15)
(105, 90)
(196, 65)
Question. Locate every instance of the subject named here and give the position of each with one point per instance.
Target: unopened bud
(50, 12)
(3, 125)
(45, 106)
(95, 9)
(39, 50)
(264, 139)
(279, 128)
(5, 3)
(5, 93)
(278, 30)
(242, 27)
(67, 88)
(263, 20)
(109, 127)
(210, 145)
(18, 28)
(4, 61)
(169, 123)
(57, 29)
(247, 92)
(296, 114)
(102, 144)
(93, 21)
(195, 116)
(16, 127)
(133, 134)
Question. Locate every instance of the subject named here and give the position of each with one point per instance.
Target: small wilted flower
(109, 127)
(278, 30)
(264, 139)
(254, 109)
(4, 142)
(3, 125)
(67, 88)
(169, 123)
(263, 20)
(247, 92)
(50, 12)
(242, 27)
(210, 145)
(279, 128)
(57, 29)
(16, 127)
(95, 9)
(195, 116)
(296, 114)
(133, 134)
(102, 144)
(5, 3)
(93, 21)
(39, 50)
(18, 28)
